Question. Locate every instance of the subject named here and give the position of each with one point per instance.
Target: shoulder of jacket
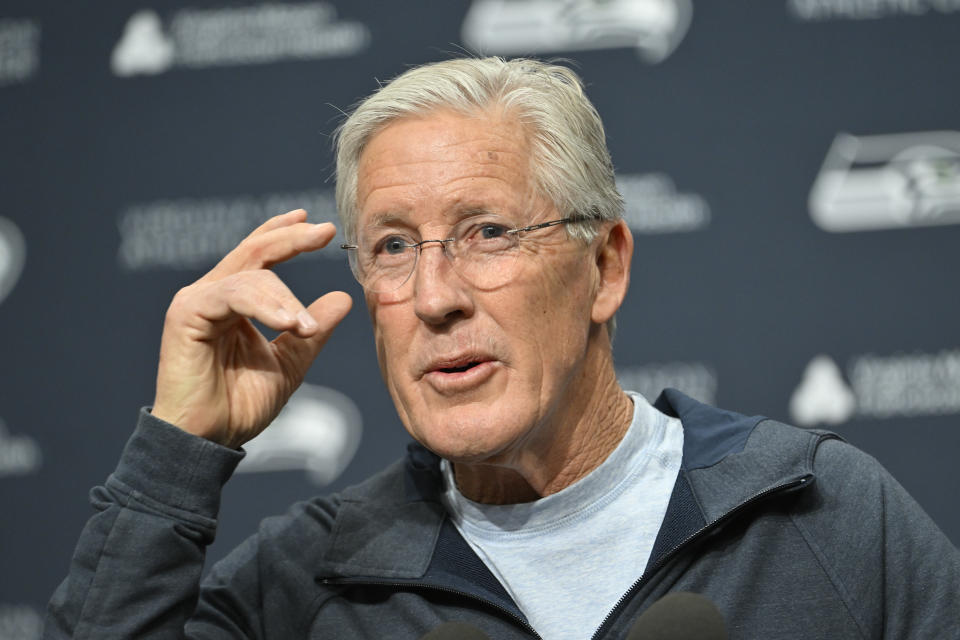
(786, 442)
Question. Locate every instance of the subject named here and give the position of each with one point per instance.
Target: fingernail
(306, 321)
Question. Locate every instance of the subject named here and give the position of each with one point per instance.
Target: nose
(439, 294)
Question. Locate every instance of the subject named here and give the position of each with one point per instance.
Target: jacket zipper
(693, 536)
(420, 585)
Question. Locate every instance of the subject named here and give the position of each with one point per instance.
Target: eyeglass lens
(480, 249)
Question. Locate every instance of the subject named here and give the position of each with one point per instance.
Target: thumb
(297, 354)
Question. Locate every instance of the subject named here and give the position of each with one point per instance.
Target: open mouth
(459, 369)
(461, 375)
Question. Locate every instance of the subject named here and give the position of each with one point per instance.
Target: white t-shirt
(568, 558)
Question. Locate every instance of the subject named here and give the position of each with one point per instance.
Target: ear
(613, 255)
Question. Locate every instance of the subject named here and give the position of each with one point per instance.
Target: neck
(570, 443)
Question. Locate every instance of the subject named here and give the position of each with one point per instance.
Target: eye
(486, 236)
(490, 231)
(484, 232)
(392, 245)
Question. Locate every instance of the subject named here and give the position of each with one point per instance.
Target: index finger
(282, 220)
(264, 248)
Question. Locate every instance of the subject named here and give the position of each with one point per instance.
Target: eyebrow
(393, 219)
(388, 220)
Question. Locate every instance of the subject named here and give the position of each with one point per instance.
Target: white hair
(570, 162)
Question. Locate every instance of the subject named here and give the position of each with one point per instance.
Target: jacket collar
(709, 434)
(393, 525)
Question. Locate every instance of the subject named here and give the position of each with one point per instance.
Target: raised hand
(219, 377)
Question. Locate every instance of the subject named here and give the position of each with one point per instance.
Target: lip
(450, 382)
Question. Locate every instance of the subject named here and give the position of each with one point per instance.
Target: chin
(467, 434)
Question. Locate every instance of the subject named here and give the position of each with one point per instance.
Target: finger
(226, 266)
(282, 244)
(271, 247)
(298, 353)
(282, 220)
(259, 295)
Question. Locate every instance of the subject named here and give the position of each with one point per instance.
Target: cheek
(388, 333)
(562, 294)
(562, 312)
(548, 323)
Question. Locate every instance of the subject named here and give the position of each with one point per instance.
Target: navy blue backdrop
(792, 171)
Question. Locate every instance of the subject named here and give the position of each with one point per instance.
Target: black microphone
(455, 631)
(680, 615)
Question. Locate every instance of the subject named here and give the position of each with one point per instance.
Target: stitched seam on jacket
(197, 462)
(815, 549)
(831, 576)
(135, 499)
(693, 492)
(90, 609)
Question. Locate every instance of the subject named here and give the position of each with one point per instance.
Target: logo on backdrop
(13, 253)
(19, 50)
(823, 396)
(653, 205)
(318, 431)
(827, 10)
(143, 47)
(20, 622)
(19, 455)
(696, 379)
(903, 385)
(888, 182)
(526, 27)
(255, 34)
(189, 233)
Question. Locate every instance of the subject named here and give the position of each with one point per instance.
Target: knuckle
(181, 303)
(256, 252)
(181, 297)
(252, 248)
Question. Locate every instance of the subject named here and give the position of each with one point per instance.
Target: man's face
(476, 374)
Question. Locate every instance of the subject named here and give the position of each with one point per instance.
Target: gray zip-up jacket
(791, 533)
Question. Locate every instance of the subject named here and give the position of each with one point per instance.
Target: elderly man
(479, 203)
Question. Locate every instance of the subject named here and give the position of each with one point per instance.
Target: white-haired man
(482, 219)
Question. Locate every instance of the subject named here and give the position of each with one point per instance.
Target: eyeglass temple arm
(542, 225)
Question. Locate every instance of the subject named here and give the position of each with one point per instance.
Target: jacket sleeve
(897, 572)
(136, 569)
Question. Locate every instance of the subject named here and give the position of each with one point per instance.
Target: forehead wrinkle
(486, 157)
(490, 168)
(491, 141)
(456, 190)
